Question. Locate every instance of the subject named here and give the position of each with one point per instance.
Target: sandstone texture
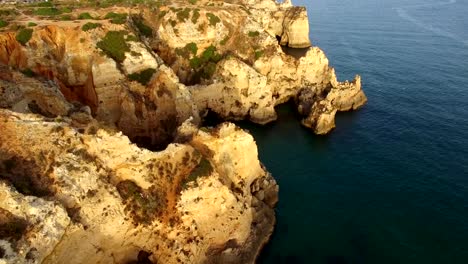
(103, 153)
(207, 200)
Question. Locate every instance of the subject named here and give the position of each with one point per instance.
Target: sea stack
(103, 153)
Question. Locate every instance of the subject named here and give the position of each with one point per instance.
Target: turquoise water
(390, 183)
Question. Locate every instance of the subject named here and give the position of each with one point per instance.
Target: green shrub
(203, 169)
(192, 1)
(253, 34)
(66, 10)
(192, 47)
(213, 19)
(88, 26)
(210, 54)
(3, 23)
(132, 38)
(32, 24)
(45, 4)
(28, 72)
(258, 54)
(144, 29)
(224, 41)
(66, 18)
(85, 16)
(143, 76)
(183, 14)
(116, 18)
(24, 35)
(196, 15)
(47, 11)
(162, 14)
(114, 45)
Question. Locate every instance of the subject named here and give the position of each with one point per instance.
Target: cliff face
(75, 96)
(205, 200)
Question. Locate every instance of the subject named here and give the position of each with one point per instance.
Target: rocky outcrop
(207, 200)
(237, 91)
(71, 179)
(70, 57)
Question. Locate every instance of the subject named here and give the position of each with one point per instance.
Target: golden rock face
(75, 100)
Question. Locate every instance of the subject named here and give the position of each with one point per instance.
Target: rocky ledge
(101, 151)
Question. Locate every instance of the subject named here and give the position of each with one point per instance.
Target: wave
(401, 11)
(451, 2)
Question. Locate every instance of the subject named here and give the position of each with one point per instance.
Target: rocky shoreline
(102, 153)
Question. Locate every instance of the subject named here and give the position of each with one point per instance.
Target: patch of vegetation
(3, 23)
(144, 29)
(116, 18)
(66, 10)
(183, 14)
(190, 48)
(205, 65)
(143, 76)
(162, 14)
(258, 54)
(192, 2)
(203, 169)
(24, 35)
(66, 18)
(173, 23)
(143, 205)
(224, 41)
(47, 11)
(214, 19)
(8, 12)
(253, 34)
(132, 38)
(114, 45)
(85, 16)
(28, 72)
(45, 4)
(195, 15)
(32, 24)
(89, 26)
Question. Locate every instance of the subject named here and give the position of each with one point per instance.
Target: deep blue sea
(390, 183)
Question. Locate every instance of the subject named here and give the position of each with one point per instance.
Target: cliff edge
(102, 154)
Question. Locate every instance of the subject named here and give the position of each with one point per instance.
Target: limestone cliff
(207, 200)
(77, 91)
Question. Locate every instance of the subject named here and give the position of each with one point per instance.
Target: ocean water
(390, 183)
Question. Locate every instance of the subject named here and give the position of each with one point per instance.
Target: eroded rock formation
(205, 200)
(76, 94)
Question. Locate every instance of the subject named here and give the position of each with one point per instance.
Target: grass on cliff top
(32, 24)
(47, 11)
(143, 76)
(116, 18)
(85, 15)
(3, 23)
(114, 45)
(24, 35)
(89, 26)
